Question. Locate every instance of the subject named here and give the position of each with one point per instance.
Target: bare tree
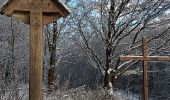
(53, 60)
(107, 29)
(55, 52)
(14, 52)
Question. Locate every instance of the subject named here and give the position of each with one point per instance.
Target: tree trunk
(108, 71)
(108, 76)
(14, 69)
(51, 72)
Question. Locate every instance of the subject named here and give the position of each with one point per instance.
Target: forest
(81, 52)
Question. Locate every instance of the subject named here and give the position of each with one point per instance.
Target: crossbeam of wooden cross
(145, 59)
(36, 13)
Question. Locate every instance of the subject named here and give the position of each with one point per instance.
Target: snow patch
(109, 70)
(110, 84)
(110, 91)
(109, 5)
(62, 3)
(53, 66)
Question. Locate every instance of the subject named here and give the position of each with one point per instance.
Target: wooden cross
(145, 58)
(36, 13)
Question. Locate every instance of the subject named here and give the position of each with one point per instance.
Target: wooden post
(145, 58)
(36, 52)
(145, 75)
(32, 12)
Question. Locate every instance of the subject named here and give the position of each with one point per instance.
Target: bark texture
(51, 72)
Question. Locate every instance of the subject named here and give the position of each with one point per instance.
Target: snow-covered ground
(72, 95)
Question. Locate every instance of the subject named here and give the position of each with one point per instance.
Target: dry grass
(71, 94)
